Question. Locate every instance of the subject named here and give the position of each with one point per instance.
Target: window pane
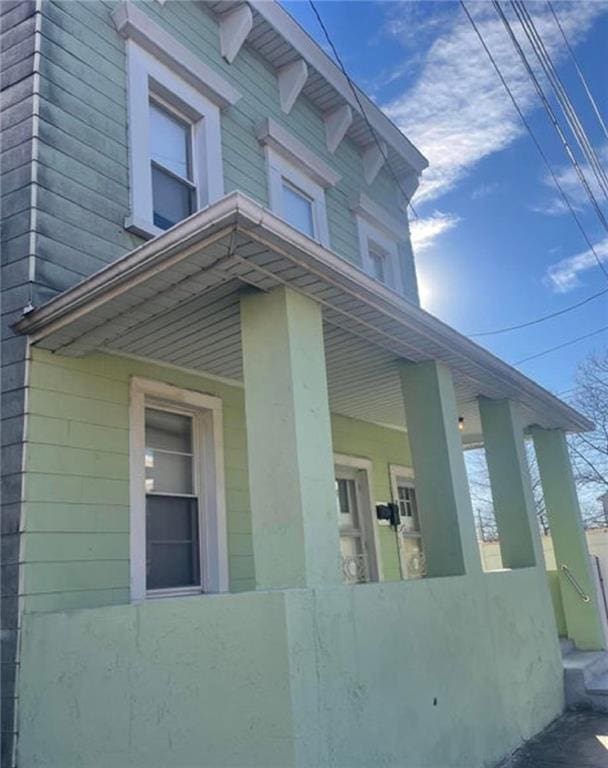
(170, 431)
(168, 472)
(172, 199)
(169, 141)
(378, 262)
(172, 543)
(297, 209)
(168, 457)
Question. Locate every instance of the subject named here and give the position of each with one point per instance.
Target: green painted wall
(448, 672)
(83, 154)
(76, 493)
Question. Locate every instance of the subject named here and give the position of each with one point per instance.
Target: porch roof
(175, 299)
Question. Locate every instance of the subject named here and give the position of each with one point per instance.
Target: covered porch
(238, 296)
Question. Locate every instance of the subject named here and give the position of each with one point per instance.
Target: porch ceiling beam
(234, 28)
(292, 78)
(337, 122)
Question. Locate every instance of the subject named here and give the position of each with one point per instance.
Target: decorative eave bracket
(234, 28)
(337, 122)
(374, 157)
(292, 78)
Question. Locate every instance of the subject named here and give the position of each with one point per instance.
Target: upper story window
(178, 525)
(175, 152)
(173, 190)
(379, 239)
(297, 180)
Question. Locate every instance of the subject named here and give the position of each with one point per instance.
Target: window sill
(143, 228)
(157, 594)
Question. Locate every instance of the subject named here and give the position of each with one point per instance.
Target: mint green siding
(76, 502)
(82, 192)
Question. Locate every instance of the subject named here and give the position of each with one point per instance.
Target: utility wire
(544, 59)
(550, 113)
(361, 108)
(579, 70)
(535, 140)
(542, 319)
(561, 346)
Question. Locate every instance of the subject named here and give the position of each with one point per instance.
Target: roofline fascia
(176, 243)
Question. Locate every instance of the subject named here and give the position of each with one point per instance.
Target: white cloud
(564, 275)
(458, 112)
(425, 231)
(569, 181)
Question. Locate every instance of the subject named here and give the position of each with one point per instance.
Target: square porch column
(514, 509)
(289, 443)
(583, 619)
(442, 488)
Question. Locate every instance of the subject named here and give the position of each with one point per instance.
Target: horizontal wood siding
(76, 539)
(83, 177)
(17, 29)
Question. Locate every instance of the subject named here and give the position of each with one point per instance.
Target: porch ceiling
(175, 299)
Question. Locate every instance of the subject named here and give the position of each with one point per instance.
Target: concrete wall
(446, 672)
(76, 492)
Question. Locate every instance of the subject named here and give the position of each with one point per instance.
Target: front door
(411, 552)
(351, 508)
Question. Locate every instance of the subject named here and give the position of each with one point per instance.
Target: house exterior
(236, 522)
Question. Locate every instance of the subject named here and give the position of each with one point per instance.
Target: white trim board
(270, 133)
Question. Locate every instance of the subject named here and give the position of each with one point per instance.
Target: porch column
(446, 515)
(514, 509)
(291, 473)
(583, 619)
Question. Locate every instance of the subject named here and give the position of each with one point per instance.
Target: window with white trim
(296, 197)
(175, 155)
(379, 255)
(178, 536)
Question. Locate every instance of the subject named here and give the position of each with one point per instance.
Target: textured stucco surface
(448, 672)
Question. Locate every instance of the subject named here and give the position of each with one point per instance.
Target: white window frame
(368, 525)
(279, 170)
(369, 234)
(148, 78)
(207, 436)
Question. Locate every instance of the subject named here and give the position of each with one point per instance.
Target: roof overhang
(280, 40)
(175, 299)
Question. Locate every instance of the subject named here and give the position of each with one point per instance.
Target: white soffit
(235, 243)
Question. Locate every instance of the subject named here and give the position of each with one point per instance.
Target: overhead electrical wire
(549, 110)
(544, 59)
(361, 107)
(561, 346)
(535, 142)
(542, 319)
(578, 70)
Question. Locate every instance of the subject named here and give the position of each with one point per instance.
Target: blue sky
(494, 246)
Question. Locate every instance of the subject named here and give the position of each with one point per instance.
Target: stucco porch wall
(452, 672)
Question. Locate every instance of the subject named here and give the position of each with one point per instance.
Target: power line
(544, 59)
(550, 113)
(361, 108)
(561, 346)
(535, 140)
(542, 319)
(579, 70)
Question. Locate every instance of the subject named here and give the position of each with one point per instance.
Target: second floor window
(378, 262)
(298, 209)
(173, 190)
